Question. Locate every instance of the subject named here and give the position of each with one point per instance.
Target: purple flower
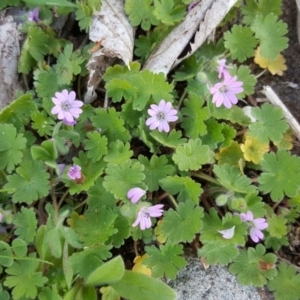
(1, 217)
(75, 172)
(222, 68)
(255, 225)
(191, 6)
(135, 194)
(66, 122)
(66, 106)
(61, 168)
(225, 92)
(161, 114)
(227, 233)
(145, 213)
(34, 15)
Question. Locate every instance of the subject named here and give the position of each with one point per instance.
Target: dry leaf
(204, 17)
(276, 66)
(110, 25)
(265, 266)
(9, 54)
(140, 267)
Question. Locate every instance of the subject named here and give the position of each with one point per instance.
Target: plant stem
(181, 98)
(206, 177)
(62, 198)
(80, 204)
(173, 200)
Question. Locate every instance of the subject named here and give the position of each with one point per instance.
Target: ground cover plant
(113, 161)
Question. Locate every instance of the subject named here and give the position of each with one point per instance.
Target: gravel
(215, 283)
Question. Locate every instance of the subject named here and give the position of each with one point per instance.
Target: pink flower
(191, 6)
(225, 92)
(227, 233)
(135, 194)
(222, 68)
(145, 213)
(161, 114)
(33, 15)
(66, 106)
(69, 123)
(255, 225)
(75, 172)
(1, 217)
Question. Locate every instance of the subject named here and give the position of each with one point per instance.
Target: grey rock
(215, 283)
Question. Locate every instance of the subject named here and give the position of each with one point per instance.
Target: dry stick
(275, 100)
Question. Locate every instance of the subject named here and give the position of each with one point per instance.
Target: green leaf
(118, 153)
(88, 260)
(214, 134)
(5, 3)
(247, 266)
(96, 227)
(18, 112)
(68, 64)
(30, 183)
(240, 42)
(19, 247)
(117, 89)
(277, 226)
(286, 285)
(216, 252)
(35, 47)
(276, 178)
(83, 14)
(111, 125)
(42, 78)
(185, 187)
(165, 261)
(24, 279)
(12, 144)
(182, 225)
(270, 31)
(111, 271)
(269, 124)
(151, 86)
(123, 230)
(49, 293)
(260, 7)
(121, 178)
(26, 224)
(212, 223)
(141, 12)
(194, 115)
(6, 255)
(137, 286)
(42, 123)
(243, 74)
(155, 169)
(58, 3)
(189, 69)
(90, 170)
(98, 196)
(67, 266)
(230, 155)
(167, 12)
(275, 243)
(191, 155)
(130, 116)
(96, 145)
(172, 140)
(232, 179)
(45, 152)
